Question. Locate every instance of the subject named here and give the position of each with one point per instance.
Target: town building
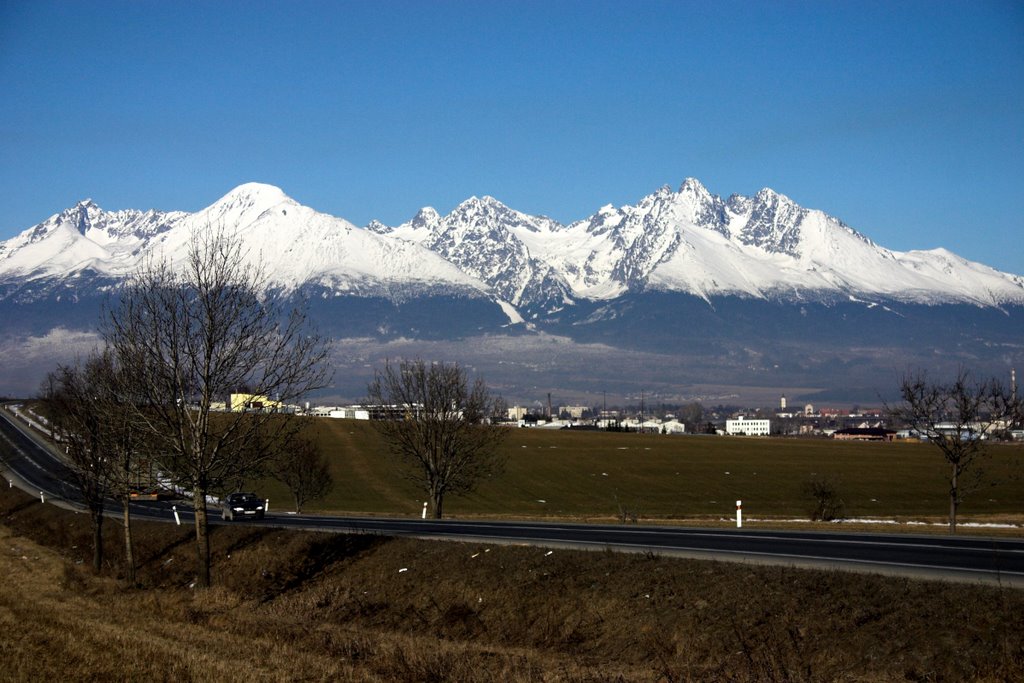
(864, 434)
(350, 413)
(673, 427)
(253, 403)
(517, 413)
(574, 412)
(742, 426)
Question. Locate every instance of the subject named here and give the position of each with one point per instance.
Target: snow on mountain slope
(302, 246)
(690, 241)
(298, 245)
(82, 237)
(491, 242)
(940, 272)
(777, 249)
(765, 246)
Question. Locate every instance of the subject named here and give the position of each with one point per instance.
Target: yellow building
(253, 402)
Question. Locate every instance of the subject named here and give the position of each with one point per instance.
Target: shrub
(828, 505)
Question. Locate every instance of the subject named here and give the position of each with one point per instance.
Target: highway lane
(982, 559)
(26, 462)
(939, 556)
(31, 466)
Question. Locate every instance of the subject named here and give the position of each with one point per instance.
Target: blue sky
(904, 119)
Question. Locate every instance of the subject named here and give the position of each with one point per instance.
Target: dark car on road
(242, 505)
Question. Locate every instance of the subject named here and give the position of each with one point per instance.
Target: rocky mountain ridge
(688, 241)
(693, 242)
(679, 289)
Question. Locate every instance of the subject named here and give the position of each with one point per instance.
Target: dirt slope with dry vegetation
(302, 606)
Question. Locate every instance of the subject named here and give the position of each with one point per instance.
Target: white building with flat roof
(741, 426)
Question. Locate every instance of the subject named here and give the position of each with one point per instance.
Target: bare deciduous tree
(304, 471)
(89, 410)
(68, 396)
(194, 333)
(113, 402)
(436, 421)
(957, 417)
(692, 415)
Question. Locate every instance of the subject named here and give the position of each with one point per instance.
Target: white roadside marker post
(739, 514)
(424, 515)
(42, 497)
(266, 506)
(177, 519)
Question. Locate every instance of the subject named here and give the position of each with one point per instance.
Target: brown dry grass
(301, 606)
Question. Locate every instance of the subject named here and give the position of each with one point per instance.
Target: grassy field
(591, 474)
(320, 607)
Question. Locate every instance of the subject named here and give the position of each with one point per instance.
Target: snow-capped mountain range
(298, 245)
(691, 241)
(683, 288)
(687, 241)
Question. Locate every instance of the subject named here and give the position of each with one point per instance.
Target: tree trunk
(129, 551)
(97, 538)
(954, 495)
(202, 539)
(438, 500)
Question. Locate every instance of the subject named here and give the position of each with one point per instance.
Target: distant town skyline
(903, 119)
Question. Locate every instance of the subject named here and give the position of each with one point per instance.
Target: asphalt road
(28, 465)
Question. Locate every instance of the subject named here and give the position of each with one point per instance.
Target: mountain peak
(485, 201)
(769, 196)
(480, 206)
(377, 227)
(257, 191)
(247, 203)
(693, 185)
(81, 215)
(428, 215)
(82, 207)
